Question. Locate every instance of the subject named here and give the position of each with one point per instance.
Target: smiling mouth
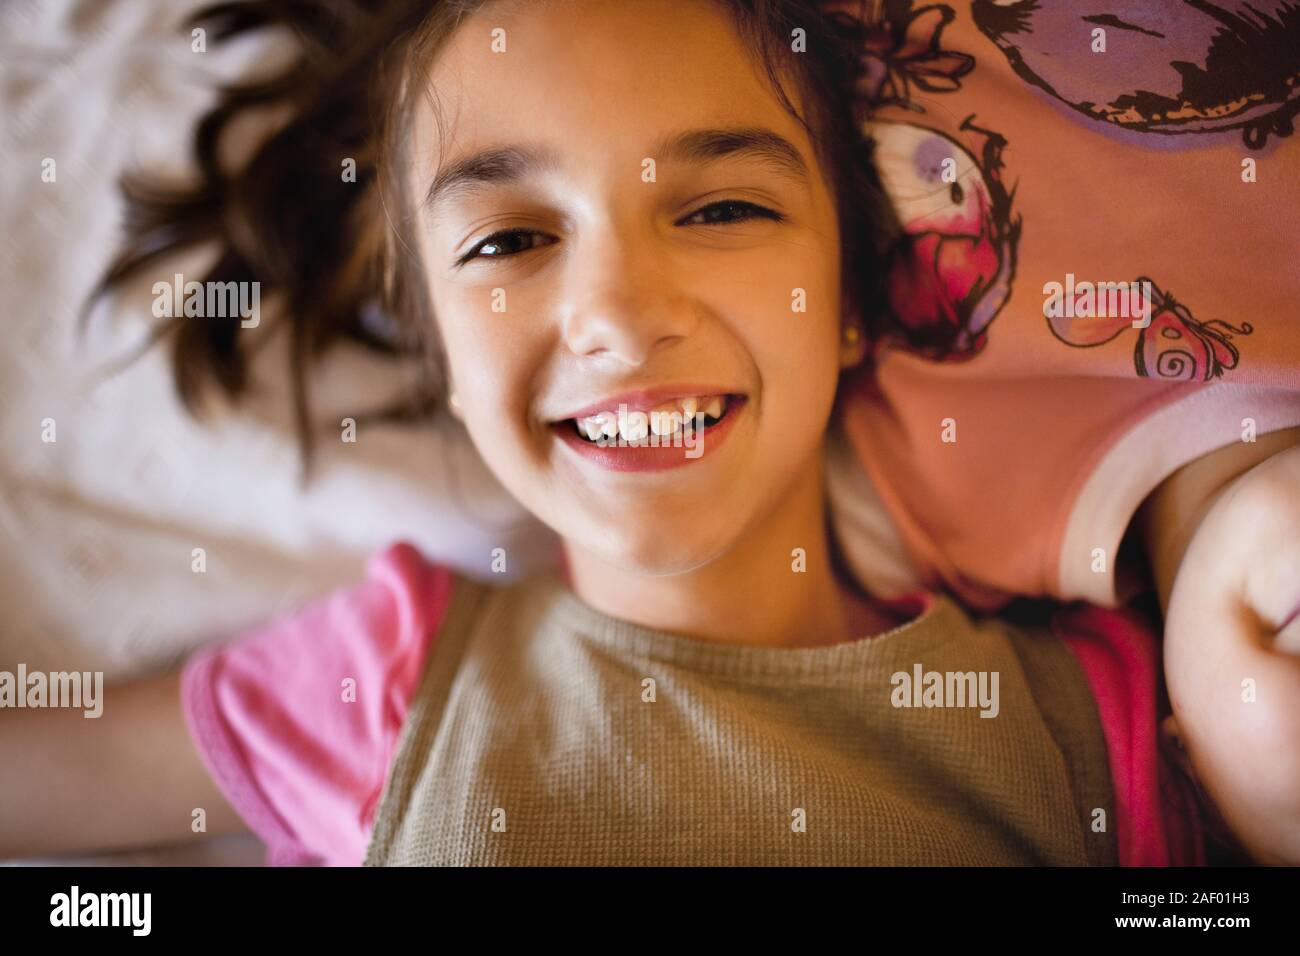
(670, 421)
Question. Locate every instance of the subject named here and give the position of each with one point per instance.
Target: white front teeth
(634, 426)
(664, 421)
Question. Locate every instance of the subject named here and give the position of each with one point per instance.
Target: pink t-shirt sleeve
(1157, 819)
(297, 719)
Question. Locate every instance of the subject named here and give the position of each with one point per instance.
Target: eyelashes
(746, 210)
(513, 242)
(502, 240)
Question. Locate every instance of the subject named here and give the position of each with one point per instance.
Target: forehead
(596, 78)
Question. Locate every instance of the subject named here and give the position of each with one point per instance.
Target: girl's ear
(853, 336)
(853, 343)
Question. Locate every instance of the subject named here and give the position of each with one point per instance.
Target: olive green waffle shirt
(543, 732)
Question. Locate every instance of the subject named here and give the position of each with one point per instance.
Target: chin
(656, 548)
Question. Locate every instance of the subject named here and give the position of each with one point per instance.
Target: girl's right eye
(499, 245)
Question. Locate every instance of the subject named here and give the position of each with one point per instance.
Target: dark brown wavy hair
(338, 256)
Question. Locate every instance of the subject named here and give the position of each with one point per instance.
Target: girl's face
(622, 212)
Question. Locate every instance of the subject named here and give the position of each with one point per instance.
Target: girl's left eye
(728, 211)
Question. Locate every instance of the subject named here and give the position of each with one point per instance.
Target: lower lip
(650, 457)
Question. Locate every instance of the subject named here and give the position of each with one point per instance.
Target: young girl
(611, 220)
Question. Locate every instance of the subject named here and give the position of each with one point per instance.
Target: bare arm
(1171, 516)
(128, 778)
(1223, 537)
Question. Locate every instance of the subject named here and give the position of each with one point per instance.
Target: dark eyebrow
(498, 164)
(507, 164)
(709, 145)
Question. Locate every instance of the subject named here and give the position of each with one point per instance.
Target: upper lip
(645, 399)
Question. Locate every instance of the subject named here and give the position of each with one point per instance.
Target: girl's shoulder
(421, 589)
(296, 717)
(1158, 820)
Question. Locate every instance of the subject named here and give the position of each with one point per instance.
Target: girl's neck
(753, 594)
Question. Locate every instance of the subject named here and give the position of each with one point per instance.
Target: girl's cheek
(491, 359)
(478, 360)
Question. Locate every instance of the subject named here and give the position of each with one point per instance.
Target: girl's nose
(624, 304)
